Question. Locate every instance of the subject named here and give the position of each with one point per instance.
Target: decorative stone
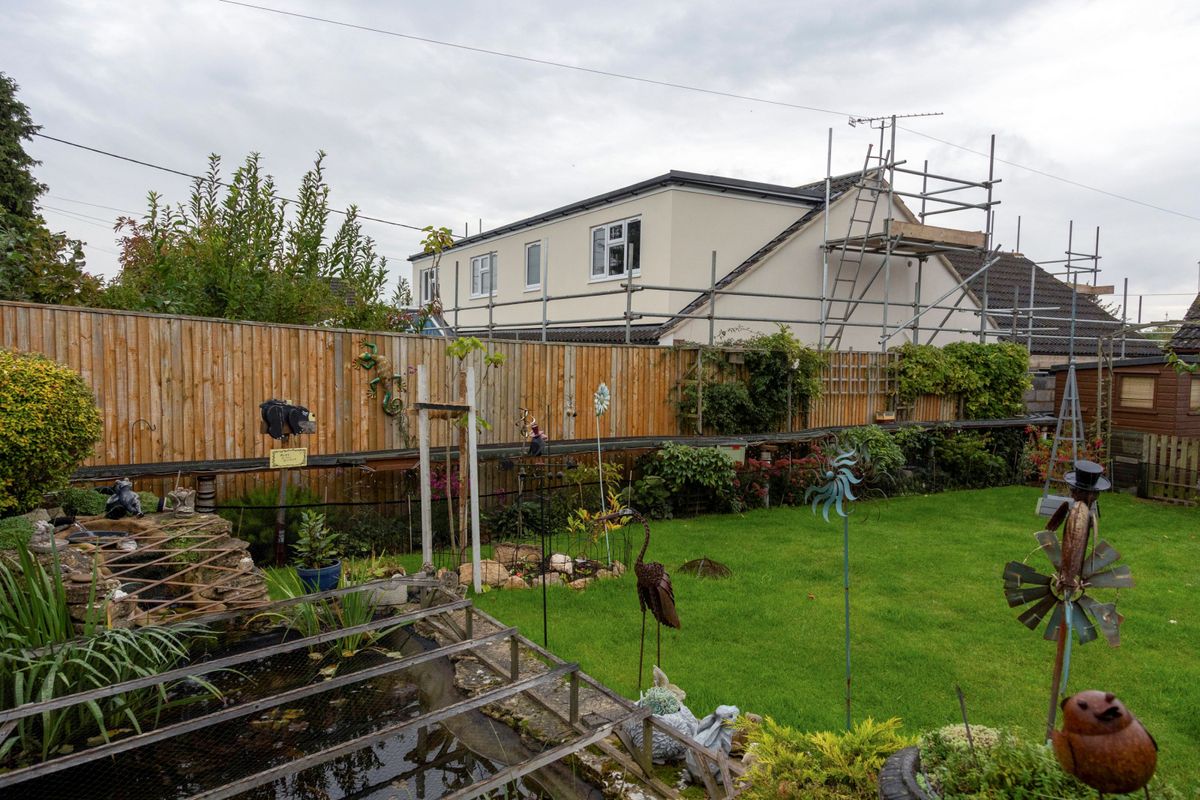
(549, 578)
(491, 573)
(395, 595)
(618, 569)
(38, 515)
(605, 574)
(515, 582)
(582, 583)
(511, 555)
(562, 563)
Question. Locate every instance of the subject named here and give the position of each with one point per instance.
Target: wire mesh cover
(418, 762)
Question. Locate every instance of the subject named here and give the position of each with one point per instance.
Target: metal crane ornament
(1062, 596)
(837, 477)
(654, 590)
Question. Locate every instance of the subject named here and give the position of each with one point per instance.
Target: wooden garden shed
(1155, 413)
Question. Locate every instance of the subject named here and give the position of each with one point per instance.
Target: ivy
(990, 378)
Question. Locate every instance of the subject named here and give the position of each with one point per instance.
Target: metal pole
(1124, 315)
(1032, 290)
(1074, 288)
(887, 254)
(473, 472)
(628, 305)
(712, 298)
(846, 585)
(824, 315)
(1018, 233)
(456, 297)
(924, 188)
(423, 444)
(983, 311)
(545, 276)
(917, 301)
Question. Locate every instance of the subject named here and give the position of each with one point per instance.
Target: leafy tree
(36, 264)
(231, 251)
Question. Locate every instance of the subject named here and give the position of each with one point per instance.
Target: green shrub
(969, 463)
(1009, 767)
(792, 765)
(15, 533)
(728, 408)
(256, 522)
(883, 456)
(81, 502)
(149, 502)
(990, 378)
(650, 496)
(915, 442)
(48, 425)
(686, 469)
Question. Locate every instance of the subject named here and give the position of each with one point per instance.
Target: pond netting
(406, 702)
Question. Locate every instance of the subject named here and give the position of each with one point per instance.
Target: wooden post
(423, 441)
(473, 462)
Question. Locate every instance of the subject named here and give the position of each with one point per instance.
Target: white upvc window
(533, 266)
(617, 249)
(429, 286)
(483, 275)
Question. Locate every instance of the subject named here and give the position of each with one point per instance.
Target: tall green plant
(990, 378)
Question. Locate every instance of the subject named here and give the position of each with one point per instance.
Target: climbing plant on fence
(990, 378)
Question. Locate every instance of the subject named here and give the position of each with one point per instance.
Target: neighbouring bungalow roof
(1012, 272)
(672, 178)
(1187, 338)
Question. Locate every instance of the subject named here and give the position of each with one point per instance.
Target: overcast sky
(1096, 93)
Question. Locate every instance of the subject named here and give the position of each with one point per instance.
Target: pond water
(417, 763)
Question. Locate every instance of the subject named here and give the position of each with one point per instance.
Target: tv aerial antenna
(886, 121)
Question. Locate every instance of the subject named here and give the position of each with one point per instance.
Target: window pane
(1194, 405)
(476, 265)
(634, 241)
(1137, 391)
(614, 232)
(598, 252)
(533, 264)
(616, 259)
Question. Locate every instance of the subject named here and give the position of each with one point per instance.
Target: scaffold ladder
(852, 249)
(1068, 414)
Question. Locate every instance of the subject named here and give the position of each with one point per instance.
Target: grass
(928, 613)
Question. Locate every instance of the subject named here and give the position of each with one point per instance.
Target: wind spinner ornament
(600, 401)
(1062, 596)
(835, 492)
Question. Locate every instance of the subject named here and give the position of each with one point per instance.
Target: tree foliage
(48, 425)
(990, 378)
(36, 264)
(233, 251)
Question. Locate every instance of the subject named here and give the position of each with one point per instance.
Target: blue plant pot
(321, 579)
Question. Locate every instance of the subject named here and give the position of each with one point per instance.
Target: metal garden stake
(601, 400)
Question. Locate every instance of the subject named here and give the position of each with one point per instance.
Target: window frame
(429, 274)
(1123, 402)
(1193, 386)
(541, 265)
(477, 276)
(630, 253)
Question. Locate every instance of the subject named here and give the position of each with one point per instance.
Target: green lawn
(928, 613)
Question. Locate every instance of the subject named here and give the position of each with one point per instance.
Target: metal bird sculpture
(833, 489)
(1104, 745)
(653, 588)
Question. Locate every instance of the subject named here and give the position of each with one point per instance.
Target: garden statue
(669, 710)
(1103, 745)
(716, 733)
(663, 682)
(123, 501)
(281, 419)
(528, 426)
(181, 501)
(1063, 594)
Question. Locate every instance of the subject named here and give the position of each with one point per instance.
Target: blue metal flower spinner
(839, 477)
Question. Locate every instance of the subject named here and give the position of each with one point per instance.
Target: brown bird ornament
(1104, 745)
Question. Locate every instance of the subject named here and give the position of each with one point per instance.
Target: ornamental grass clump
(787, 764)
(1001, 765)
(48, 425)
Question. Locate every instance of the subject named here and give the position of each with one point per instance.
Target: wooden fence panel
(1172, 467)
(188, 389)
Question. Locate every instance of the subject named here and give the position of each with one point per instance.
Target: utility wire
(690, 88)
(201, 178)
(93, 205)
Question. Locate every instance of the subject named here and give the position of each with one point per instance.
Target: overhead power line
(690, 88)
(183, 174)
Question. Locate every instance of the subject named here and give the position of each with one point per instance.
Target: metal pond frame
(463, 640)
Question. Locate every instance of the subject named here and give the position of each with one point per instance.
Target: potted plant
(316, 554)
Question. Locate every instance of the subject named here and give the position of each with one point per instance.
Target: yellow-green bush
(48, 425)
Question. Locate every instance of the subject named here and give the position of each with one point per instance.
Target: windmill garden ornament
(835, 490)
(1063, 595)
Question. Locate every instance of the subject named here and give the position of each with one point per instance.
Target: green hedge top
(991, 378)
